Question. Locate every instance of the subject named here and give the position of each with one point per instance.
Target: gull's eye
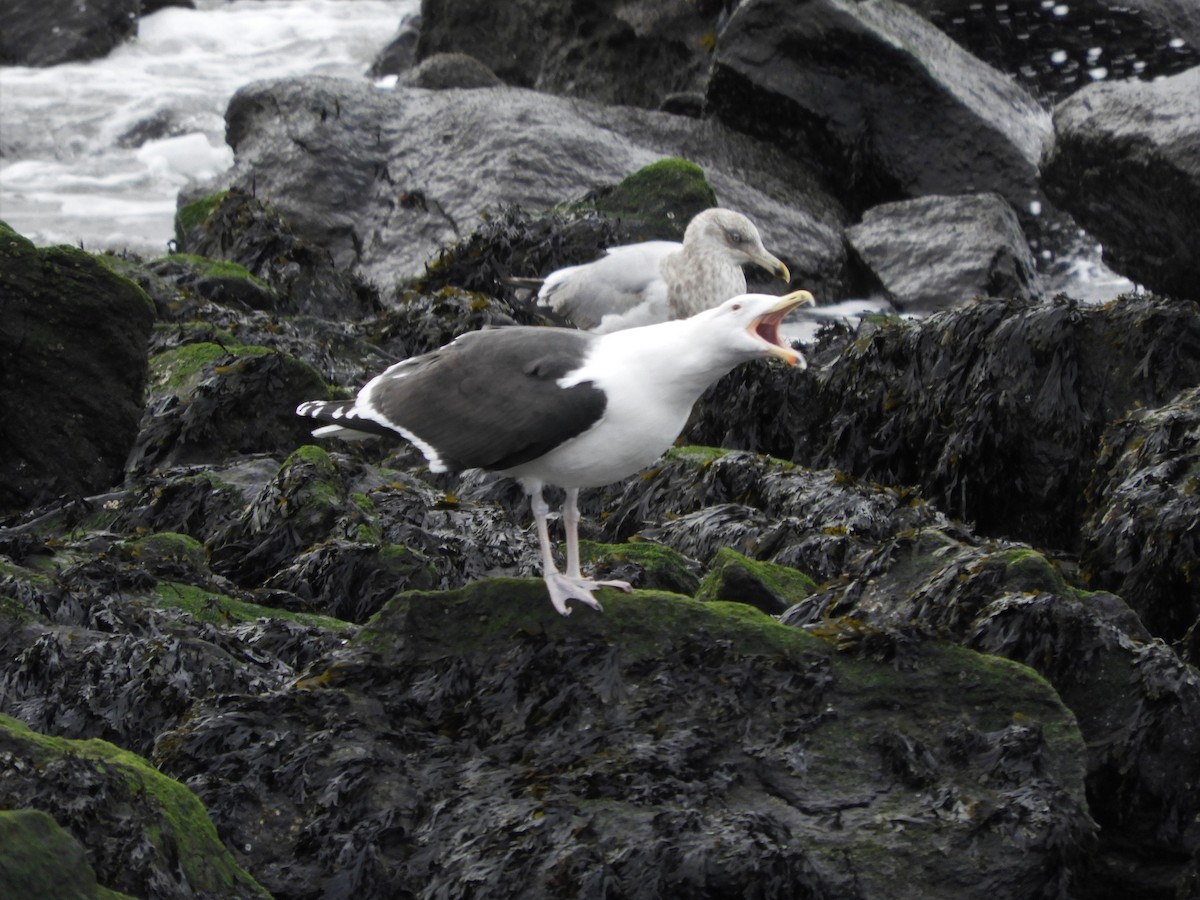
(736, 237)
(736, 307)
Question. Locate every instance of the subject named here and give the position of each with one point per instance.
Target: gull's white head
(747, 327)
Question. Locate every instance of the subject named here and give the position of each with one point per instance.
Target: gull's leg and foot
(572, 585)
(571, 526)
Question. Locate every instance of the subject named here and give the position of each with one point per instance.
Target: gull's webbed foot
(563, 588)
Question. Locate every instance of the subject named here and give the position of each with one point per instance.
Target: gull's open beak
(766, 326)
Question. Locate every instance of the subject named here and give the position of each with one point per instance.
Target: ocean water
(94, 153)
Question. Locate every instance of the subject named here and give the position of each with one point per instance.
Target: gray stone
(936, 252)
(383, 179)
(892, 106)
(1126, 164)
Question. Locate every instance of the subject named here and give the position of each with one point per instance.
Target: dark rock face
(613, 751)
(73, 340)
(889, 104)
(1135, 701)
(995, 409)
(49, 32)
(584, 50)
(1140, 538)
(1126, 164)
(937, 252)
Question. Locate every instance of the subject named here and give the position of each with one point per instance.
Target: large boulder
(938, 252)
(634, 54)
(892, 106)
(74, 338)
(384, 179)
(1126, 164)
(1137, 703)
(49, 32)
(477, 742)
(994, 409)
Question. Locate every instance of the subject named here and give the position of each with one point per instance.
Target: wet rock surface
(1127, 165)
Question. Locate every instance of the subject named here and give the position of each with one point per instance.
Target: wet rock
(145, 834)
(1126, 164)
(115, 639)
(39, 859)
(401, 52)
(938, 252)
(450, 70)
(478, 741)
(50, 32)
(995, 410)
(1136, 702)
(632, 54)
(890, 106)
(236, 227)
(415, 169)
(654, 203)
(643, 564)
(1140, 538)
(1056, 48)
(205, 404)
(739, 579)
(74, 346)
(700, 501)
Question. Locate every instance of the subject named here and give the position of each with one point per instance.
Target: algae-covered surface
(145, 834)
(483, 744)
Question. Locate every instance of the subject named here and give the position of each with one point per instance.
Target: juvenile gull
(556, 406)
(654, 281)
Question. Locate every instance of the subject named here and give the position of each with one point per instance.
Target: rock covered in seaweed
(994, 410)
(145, 835)
(1136, 702)
(1141, 538)
(475, 741)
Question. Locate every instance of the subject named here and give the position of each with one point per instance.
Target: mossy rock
(146, 834)
(40, 859)
(657, 201)
(193, 215)
(74, 347)
(643, 564)
(221, 281)
(209, 402)
(769, 587)
(216, 608)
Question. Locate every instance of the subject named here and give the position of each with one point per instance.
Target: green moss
(193, 215)
(185, 838)
(485, 614)
(696, 455)
(216, 268)
(765, 585)
(169, 546)
(39, 858)
(660, 198)
(219, 609)
(180, 369)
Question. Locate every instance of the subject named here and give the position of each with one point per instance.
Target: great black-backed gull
(654, 281)
(557, 406)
